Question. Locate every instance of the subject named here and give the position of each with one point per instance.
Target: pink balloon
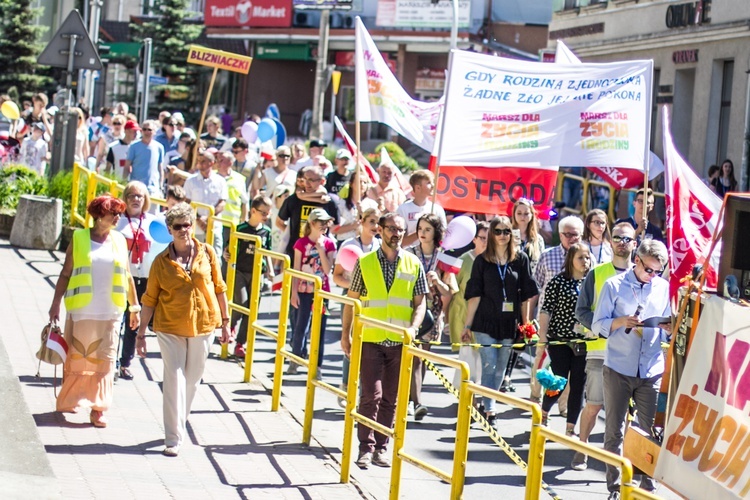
(250, 131)
(459, 233)
(348, 256)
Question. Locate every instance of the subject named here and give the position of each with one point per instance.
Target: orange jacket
(185, 304)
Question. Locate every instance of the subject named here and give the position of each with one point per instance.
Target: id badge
(507, 307)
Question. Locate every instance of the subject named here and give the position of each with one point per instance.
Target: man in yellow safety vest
(623, 241)
(391, 284)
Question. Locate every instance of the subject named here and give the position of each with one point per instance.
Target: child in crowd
(34, 149)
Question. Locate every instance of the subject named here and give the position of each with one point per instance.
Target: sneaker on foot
(171, 451)
(380, 458)
(420, 411)
(614, 495)
(239, 351)
(364, 459)
(292, 368)
(580, 462)
(410, 409)
(342, 401)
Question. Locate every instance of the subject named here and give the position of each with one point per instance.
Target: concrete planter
(38, 223)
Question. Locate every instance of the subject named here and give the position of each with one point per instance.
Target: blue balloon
(280, 132)
(266, 129)
(159, 231)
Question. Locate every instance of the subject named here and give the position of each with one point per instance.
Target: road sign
(57, 50)
(158, 80)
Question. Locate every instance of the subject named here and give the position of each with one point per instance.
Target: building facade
(701, 54)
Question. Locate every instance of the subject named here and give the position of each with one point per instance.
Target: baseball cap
(317, 143)
(131, 125)
(40, 126)
(343, 153)
(318, 214)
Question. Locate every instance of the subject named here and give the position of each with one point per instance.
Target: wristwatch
(134, 309)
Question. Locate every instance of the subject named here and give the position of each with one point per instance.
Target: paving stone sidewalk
(238, 447)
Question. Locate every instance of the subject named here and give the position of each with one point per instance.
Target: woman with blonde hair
(186, 296)
(499, 294)
(525, 220)
(81, 151)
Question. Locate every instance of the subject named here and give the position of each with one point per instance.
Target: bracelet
(467, 327)
(134, 309)
(140, 337)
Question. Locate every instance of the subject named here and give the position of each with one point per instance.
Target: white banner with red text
(706, 447)
(505, 112)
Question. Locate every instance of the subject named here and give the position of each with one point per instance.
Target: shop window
(726, 104)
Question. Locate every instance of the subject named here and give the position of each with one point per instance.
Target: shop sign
(345, 60)
(688, 14)
(281, 51)
(248, 13)
(430, 79)
(685, 56)
(323, 4)
(421, 14)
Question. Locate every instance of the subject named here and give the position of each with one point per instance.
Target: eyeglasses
(395, 229)
(622, 239)
(135, 196)
(599, 222)
(502, 232)
(180, 227)
(283, 156)
(237, 151)
(266, 214)
(147, 129)
(117, 124)
(571, 236)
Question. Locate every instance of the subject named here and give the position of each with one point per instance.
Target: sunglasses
(283, 156)
(180, 227)
(117, 124)
(502, 232)
(649, 270)
(622, 239)
(570, 236)
(147, 130)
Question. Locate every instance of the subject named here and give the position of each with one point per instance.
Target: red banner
(255, 13)
(619, 178)
(494, 190)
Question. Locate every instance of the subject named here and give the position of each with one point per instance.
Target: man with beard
(389, 195)
(392, 285)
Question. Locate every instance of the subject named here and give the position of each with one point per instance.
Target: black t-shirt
(295, 211)
(213, 142)
(486, 283)
(335, 182)
(246, 249)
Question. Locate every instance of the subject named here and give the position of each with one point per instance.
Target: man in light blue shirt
(145, 159)
(633, 360)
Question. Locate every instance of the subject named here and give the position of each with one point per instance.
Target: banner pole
(441, 131)
(203, 117)
(355, 184)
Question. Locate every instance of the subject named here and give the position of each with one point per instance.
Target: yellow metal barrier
(587, 193)
(561, 176)
(211, 213)
(75, 217)
(94, 180)
(230, 291)
(312, 381)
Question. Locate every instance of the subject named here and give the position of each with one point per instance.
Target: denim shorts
(594, 382)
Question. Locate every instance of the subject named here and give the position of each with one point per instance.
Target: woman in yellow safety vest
(96, 284)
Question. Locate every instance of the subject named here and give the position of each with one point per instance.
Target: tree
(19, 48)
(172, 33)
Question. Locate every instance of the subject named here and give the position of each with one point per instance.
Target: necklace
(427, 267)
(186, 264)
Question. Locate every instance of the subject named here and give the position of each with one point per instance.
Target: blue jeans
(302, 332)
(494, 361)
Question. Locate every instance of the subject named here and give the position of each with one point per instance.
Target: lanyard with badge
(502, 271)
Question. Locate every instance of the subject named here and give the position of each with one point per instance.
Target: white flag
(381, 98)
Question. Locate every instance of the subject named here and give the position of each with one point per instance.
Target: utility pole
(94, 15)
(322, 73)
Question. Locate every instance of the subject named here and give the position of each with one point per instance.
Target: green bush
(61, 186)
(405, 163)
(17, 180)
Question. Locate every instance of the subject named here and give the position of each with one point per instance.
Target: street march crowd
(598, 299)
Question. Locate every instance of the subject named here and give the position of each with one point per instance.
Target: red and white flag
(448, 264)
(57, 343)
(277, 282)
(692, 215)
(628, 178)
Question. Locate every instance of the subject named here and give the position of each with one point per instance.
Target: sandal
(98, 419)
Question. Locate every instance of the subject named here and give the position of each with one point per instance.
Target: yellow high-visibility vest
(80, 289)
(602, 273)
(233, 206)
(394, 306)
